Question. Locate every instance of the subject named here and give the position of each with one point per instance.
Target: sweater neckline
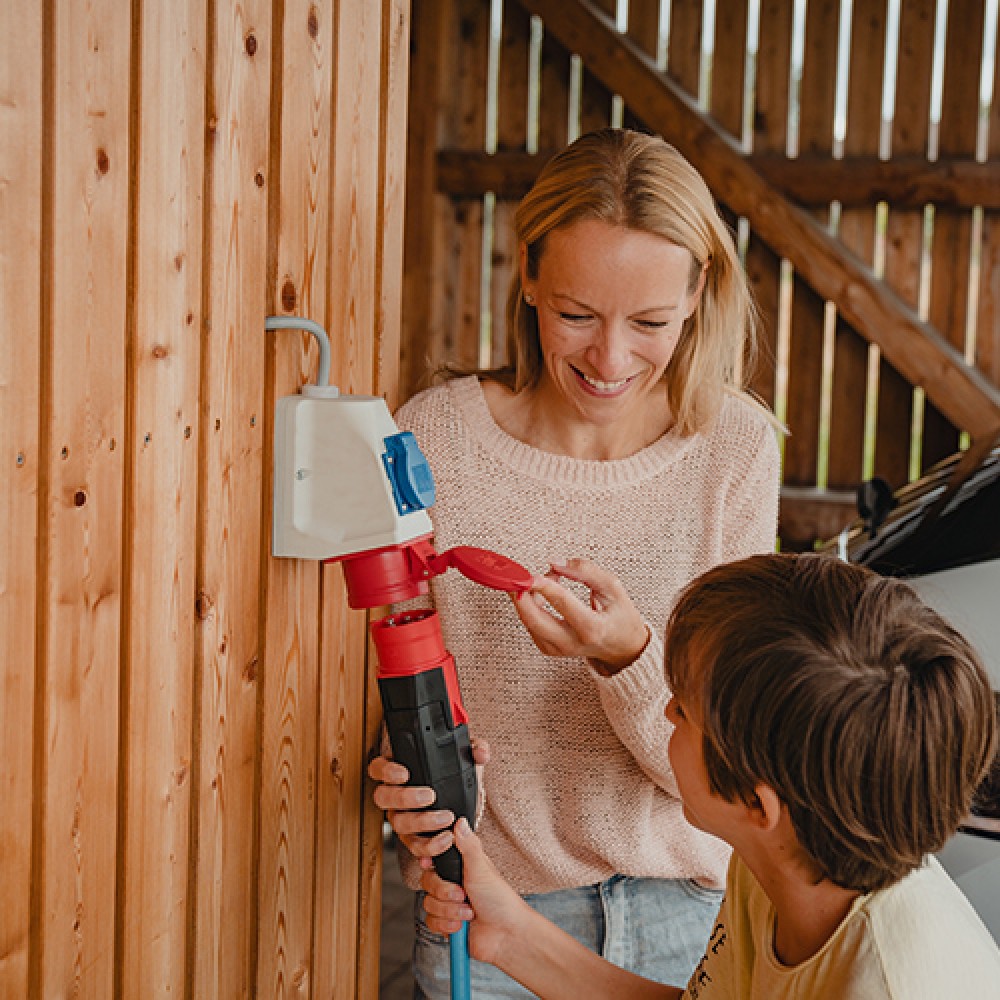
(469, 398)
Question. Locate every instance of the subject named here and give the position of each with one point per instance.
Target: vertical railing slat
(805, 356)
(904, 229)
(769, 135)
(857, 232)
(950, 265)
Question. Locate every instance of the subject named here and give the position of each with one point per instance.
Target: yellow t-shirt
(917, 939)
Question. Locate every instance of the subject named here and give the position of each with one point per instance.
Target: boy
(832, 729)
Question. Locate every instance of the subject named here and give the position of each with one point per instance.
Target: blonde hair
(640, 182)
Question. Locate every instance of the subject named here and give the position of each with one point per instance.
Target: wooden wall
(913, 199)
(184, 720)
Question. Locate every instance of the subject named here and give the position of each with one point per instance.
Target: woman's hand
(610, 631)
(406, 805)
(486, 899)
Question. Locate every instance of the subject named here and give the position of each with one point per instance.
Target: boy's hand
(610, 631)
(491, 905)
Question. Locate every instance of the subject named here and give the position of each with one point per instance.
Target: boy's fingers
(481, 752)
(427, 847)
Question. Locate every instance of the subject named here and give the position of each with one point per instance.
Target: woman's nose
(609, 351)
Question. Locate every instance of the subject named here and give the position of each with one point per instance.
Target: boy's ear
(766, 808)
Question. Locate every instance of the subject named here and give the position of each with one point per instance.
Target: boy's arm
(509, 934)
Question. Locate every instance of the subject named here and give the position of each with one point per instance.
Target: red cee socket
(410, 643)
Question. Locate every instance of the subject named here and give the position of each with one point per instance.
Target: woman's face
(611, 305)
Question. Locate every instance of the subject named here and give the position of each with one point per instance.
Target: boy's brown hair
(868, 714)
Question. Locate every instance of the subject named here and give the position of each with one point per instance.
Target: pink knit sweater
(579, 786)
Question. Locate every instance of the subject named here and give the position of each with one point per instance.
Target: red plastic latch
(482, 566)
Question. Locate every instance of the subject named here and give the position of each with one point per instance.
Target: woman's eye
(652, 324)
(574, 317)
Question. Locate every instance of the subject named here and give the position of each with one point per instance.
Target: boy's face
(702, 807)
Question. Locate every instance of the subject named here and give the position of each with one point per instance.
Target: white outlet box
(332, 496)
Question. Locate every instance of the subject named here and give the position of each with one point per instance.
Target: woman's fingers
(400, 797)
(388, 771)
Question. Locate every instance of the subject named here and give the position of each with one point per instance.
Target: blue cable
(459, 953)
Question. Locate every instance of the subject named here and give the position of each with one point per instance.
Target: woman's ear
(695, 297)
(522, 266)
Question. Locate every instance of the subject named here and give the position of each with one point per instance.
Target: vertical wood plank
(988, 318)
(343, 695)
(553, 111)
(684, 45)
(595, 98)
(770, 122)
(857, 232)
(729, 67)
(644, 30)
(464, 126)
(21, 167)
(224, 875)
(951, 244)
(904, 229)
(726, 104)
(84, 430)
(429, 21)
(161, 516)
(393, 120)
(512, 134)
(805, 365)
(304, 58)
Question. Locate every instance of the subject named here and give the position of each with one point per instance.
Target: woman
(618, 437)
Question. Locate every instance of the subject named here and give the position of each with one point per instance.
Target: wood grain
(22, 59)
(228, 639)
(83, 426)
(161, 516)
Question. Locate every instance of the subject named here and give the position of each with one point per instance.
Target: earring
(530, 299)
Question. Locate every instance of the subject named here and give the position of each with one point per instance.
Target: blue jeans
(657, 928)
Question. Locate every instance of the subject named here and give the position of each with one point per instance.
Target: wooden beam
(811, 181)
(808, 516)
(917, 350)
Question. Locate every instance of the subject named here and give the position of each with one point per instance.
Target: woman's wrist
(610, 667)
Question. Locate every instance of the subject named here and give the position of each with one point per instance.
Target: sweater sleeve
(751, 519)
(634, 701)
